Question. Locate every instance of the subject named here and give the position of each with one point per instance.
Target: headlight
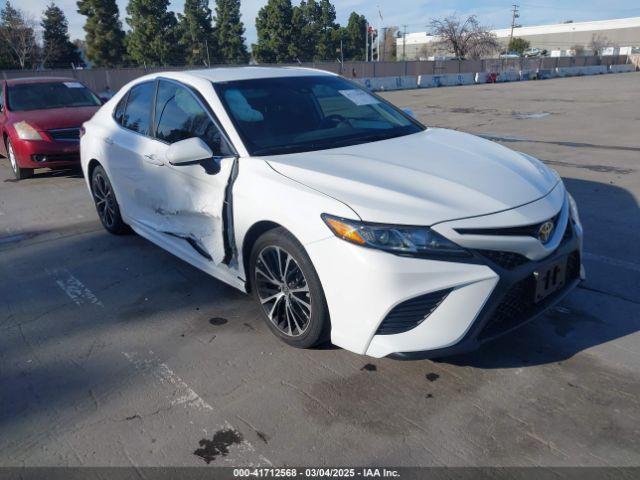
(394, 238)
(26, 131)
(574, 210)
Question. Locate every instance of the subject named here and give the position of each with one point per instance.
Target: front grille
(573, 266)
(522, 231)
(511, 260)
(518, 304)
(410, 314)
(65, 134)
(507, 260)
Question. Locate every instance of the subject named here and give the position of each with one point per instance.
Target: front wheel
(106, 203)
(18, 172)
(288, 289)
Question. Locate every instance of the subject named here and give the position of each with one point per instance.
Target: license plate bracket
(550, 279)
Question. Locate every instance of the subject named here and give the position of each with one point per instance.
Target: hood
(422, 179)
(47, 119)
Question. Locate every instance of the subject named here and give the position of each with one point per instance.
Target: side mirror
(408, 111)
(188, 151)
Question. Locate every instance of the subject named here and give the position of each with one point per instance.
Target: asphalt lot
(113, 352)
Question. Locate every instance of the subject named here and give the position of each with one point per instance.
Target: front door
(185, 202)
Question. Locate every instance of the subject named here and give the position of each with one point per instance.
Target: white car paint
(427, 178)
(439, 178)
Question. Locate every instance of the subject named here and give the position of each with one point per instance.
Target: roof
(598, 25)
(227, 74)
(16, 81)
(595, 26)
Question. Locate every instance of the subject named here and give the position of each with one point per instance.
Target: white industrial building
(559, 38)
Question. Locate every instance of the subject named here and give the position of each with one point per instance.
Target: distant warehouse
(610, 37)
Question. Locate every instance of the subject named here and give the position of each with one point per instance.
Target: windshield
(39, 96)
(299, 114)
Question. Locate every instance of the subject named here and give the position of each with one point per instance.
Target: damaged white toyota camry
(346, 218)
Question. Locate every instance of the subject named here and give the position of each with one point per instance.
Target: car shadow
(43, 173)
(75, 172)
(604, 308)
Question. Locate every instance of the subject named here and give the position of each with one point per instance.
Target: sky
(415, 14)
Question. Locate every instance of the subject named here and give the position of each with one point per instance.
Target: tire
(106, 204)
(18, 172)
(283, 307)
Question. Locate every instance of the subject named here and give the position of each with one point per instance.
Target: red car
(40, 120)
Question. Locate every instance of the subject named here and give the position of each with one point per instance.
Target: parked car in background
(40, 121)
(533, 52)
(346, 217)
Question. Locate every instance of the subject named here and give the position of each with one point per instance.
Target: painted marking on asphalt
(74, 288)
(185, 395)
(614, 262)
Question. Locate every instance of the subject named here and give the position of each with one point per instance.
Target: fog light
(39, 158)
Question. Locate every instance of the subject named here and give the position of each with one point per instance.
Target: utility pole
(515, 15)
(380, 29)
(366, 43)
(404, 43)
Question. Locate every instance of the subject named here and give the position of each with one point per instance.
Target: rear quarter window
(118, 113)
(137, 113)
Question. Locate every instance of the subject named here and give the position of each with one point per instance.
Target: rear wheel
(288, 289)
(106, 203)
(19, 173)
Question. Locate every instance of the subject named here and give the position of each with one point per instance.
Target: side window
(137, 115)
(1, 98)
(118, 113)
(180, 116)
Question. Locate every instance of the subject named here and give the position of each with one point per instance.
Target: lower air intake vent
(508, 260)
(517, 305)
(411, 313)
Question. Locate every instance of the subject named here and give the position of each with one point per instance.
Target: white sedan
(346, 218)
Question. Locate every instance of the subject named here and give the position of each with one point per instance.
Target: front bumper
(511, 304)
(46, 153)
(483, 296)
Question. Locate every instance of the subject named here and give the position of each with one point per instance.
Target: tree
(599, 43)
(57, 49)
(273, 25)
(229, 32)
(578, 50)
(518, 45)
(305, 30)
(104, 36)
(153, 37)
(464, 38)
(301, 46)
(328, 32)
(354, 37)
(17, 31)
(196, 33)
(388, 44)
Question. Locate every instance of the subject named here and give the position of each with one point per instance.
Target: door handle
(108, 140)
(153, 160)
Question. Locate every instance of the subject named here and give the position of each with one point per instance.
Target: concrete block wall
(447, 80)
(622, 68)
